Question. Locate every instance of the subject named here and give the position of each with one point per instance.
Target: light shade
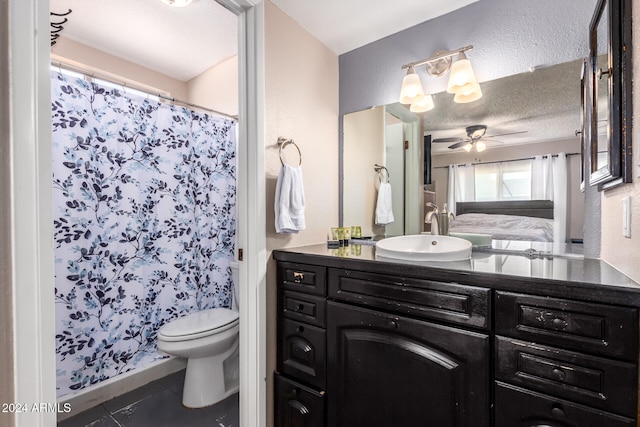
(461, 75)
(468, 147)
(422, 104)
(411, 88)
(177, 3)
(480, 146)
(469, 94)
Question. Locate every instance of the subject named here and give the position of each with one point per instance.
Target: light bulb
(177, 3)
(471, 92)
(480, 146)
(422, 104)
(468, 147)
(461, 75)
(411, 90)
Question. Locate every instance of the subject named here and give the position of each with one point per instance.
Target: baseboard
(114, 387)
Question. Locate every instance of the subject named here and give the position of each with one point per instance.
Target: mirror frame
(619, 169)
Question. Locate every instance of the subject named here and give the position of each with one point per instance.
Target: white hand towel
(289, 200)
(384, 208)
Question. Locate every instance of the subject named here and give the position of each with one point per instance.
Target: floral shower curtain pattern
(144, 200)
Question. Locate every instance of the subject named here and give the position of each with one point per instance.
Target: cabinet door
(387, 370)
(302, 352)
(297, 405)
(518, 407)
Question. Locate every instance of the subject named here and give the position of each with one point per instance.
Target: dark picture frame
(610, 77)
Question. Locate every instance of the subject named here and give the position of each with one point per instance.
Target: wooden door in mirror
(610, 69)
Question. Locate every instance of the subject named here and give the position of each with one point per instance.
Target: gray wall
(509, 37)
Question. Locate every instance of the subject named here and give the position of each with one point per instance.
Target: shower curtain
(144, 209)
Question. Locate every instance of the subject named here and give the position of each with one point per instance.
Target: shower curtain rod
(109, 79)
(502, 161)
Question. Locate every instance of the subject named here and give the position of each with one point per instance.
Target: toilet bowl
(208, 339)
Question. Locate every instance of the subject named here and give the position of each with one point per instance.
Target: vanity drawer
(306, 278)
(297, 405)
(602, 383)
(303, 307)
(576, 325)
(450, 302)
(516, 407)
(302, 352)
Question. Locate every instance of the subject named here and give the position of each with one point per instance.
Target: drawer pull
(558, 373)
(393, 324)
(298, 277)
(300, 329)
(300, 307)
(557, 411)
(297, 406)
(559, 323)
(293, 392)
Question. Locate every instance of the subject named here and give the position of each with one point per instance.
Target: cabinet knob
(559, 323)
(558, 373)
(393, 324)
(557, 411)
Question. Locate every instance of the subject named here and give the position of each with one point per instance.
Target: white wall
(216, 88)
(301, 102)
(82, 55)
(619, 251)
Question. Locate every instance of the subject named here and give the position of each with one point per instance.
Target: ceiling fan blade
(505, 134)
(448, 140)
(459, 144)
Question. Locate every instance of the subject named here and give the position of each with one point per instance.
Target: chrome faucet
(439, 220)
(433, 218)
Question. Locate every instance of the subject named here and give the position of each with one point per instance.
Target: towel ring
(379, 168)
(283, 142)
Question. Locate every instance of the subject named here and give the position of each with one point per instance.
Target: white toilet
(208, 340)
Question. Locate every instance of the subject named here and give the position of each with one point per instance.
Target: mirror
(610, 78)
(541, 108)
(388, 136)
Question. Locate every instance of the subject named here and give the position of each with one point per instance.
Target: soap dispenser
(443, 220)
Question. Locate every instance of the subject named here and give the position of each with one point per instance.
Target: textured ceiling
(545, 104)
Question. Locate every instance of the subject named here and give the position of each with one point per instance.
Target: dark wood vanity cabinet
(374, 354)
(425, 348)
(389, 370)
(560, 362)
(300, 382)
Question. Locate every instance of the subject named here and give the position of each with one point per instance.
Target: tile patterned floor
(157, 404)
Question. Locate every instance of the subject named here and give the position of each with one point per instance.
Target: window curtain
(144, 201)
(461, 186)
(549, 182)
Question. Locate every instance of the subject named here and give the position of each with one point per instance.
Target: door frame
(30, 199)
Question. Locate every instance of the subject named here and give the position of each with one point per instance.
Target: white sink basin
(424, 247)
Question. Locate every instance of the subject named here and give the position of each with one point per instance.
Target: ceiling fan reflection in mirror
(475, 137)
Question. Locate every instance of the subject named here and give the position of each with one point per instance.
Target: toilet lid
(202, 321)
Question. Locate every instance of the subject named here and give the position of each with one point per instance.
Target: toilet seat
(197, 325)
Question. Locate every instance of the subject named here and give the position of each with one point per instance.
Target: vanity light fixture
(177, 3)
(462, 80)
